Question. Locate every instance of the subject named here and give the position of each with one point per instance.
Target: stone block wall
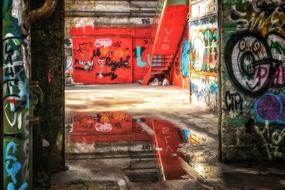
(252, 79)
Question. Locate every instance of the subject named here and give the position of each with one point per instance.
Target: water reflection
(143, 136)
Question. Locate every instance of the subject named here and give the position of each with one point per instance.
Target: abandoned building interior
(143, 94)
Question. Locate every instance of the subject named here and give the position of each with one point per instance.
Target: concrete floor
(169, 104)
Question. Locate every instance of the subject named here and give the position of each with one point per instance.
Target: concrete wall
(252, 80)
(203, 39)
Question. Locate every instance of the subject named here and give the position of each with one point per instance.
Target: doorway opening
(141, 94)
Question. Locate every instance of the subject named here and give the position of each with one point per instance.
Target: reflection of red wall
(167, 138)
(114, 62)
(120, 127)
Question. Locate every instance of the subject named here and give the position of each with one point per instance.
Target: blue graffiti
(140, 63)
(185, 59)
(270, 108)
(11, 186)
(12, 166)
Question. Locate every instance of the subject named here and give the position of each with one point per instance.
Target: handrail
(38, 14)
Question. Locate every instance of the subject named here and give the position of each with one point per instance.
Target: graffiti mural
(203, 39)
(109, 55)
(204, 91)
(254, 64)
(203, 36)
(15, 80)
(103, 60)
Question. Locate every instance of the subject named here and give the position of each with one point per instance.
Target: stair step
(115, 147)
(157, 72)
(159, 68)
(111, 155)
(144, 175)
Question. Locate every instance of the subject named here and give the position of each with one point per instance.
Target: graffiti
(166, 41)
(252, 63)
(203, 37)
(204, 90)
(270, 108)
(138, 53)
(264, 17)
(272, 139)
(276, 44)
(13, 167)
(185, 59)
(105, 42)
(117, 44)
(109, 74)
(15, 82)
(84, 65)
(68, 55)
(234, 103)
(105, 127)
(145, 20)
(14, 70)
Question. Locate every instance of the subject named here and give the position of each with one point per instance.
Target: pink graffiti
(106, 127)
(106, 42)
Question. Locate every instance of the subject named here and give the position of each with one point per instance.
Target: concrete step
(144, 175)
(110, 147)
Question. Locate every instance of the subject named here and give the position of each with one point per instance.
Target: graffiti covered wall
(107, 55)
(15, 80)
(203, 39)
(253, 80)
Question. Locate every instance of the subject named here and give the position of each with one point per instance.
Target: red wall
(110, 55)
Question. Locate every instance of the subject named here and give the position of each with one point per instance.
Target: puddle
(140, 138)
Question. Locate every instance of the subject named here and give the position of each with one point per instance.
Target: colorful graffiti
(254, 63)
(185, 59)
(254, 66)
(204, 91)
(15, 80)
(270, 108)
(112, 58)
(108, 60)
(203, 37)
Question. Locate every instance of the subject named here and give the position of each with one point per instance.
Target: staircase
(160, 66)
(143, 165)
(167, 38)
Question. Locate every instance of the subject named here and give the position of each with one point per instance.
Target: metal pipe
(38, 14)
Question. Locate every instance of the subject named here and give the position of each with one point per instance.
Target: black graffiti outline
(273, 64)
(234, 102)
